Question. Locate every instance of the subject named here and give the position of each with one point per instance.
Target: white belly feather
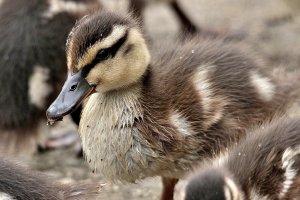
(110, 141)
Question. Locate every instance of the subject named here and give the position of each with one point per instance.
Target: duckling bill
(75, 89)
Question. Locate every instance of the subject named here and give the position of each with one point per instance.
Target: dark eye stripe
(115, 48)
(86, 69)
(111, 50)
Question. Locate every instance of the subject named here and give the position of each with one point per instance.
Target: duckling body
(159, 112)
(265, 165)
(176, 115)
(19, 183)
(32, 39)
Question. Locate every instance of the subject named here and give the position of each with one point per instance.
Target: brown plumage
(162, 112)
(265, 165)
(19, 183)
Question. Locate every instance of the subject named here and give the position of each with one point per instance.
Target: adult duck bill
(75, 89)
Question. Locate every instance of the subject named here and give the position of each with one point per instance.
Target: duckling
(265, 165)
(19, 183)
(159, 112)
(32, 64)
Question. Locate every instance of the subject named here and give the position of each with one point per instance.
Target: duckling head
(210, 184)
(105, 52)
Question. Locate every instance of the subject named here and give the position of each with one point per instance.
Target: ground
(271, 29)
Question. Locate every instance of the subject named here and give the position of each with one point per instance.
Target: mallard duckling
(17, 182)
(32, 40)
(159, 113)
(266, 165)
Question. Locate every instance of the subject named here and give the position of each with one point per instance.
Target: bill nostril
(73, 87)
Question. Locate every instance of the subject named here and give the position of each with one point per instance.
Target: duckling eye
(73, 87)
(103, 54)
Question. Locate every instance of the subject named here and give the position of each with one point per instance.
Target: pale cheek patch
(181, 124)
(112, 74)
(5, 196)
(263, 86)
(58, 6)
(108, 75)
(39, 89)
(290, 173)
(122, 70)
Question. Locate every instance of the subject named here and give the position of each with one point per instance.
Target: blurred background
(270, 28)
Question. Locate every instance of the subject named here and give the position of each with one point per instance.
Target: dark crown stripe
(112, 52)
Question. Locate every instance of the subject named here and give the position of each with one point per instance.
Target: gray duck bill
(75, 89)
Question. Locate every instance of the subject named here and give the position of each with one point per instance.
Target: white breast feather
(110, 140)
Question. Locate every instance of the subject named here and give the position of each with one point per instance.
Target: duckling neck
(107, 130)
